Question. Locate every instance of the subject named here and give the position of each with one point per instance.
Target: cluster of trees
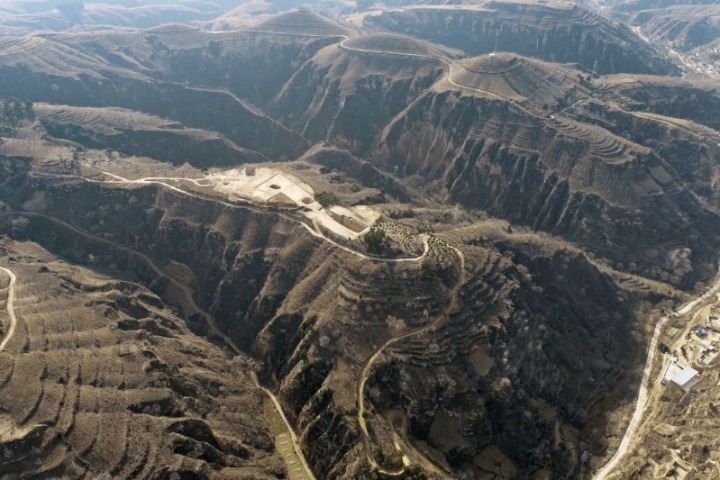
(326, 199)
(374, 240)
(13, 112)
(427, 271)
(394, 460)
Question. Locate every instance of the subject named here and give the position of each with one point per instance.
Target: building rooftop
(681, 375)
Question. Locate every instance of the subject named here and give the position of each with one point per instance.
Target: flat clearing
(273, 186)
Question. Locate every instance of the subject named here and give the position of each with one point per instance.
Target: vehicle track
(10, 306)
(367, 367)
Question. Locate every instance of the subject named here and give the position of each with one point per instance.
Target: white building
(681, 375)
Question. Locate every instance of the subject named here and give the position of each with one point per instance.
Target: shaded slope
(558, 34)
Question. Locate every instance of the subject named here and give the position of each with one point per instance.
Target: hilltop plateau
(425, 241)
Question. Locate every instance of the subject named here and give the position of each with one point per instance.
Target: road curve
(313, 231)
(365, 373)
(188, 297)
(10, 305)
(641, 404)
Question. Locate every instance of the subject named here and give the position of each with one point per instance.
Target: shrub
(374, 240)
(326, 199)
(427, 271)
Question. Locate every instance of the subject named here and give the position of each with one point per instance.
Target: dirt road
(449, 75)
(641, 404)
(10, 306)
(367, 367)
(313, 231)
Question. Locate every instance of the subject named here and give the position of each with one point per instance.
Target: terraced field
(301, 22)
(90, 387)
(520, 78)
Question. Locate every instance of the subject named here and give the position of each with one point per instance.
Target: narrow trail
(10, 306)
(641, 405)
(313, 231)
(367, 367)
(187, 294)
(449, 74)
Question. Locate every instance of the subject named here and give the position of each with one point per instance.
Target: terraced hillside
(135, 133)
(310, 247)
(313, 315)
(549, 87)
(27, 17)
(90, 390)
(552, 32)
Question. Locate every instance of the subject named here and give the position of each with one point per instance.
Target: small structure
(681, 375)
(701, 332)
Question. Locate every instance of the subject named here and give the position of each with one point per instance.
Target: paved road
(10, 305)
(641, 404)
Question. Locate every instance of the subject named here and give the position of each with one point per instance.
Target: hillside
(436, 258)
(549, 32)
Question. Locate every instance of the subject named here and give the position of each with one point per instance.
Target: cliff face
(347, 97)
(312, 314)
(575, 181)
(545, 197)
(563, 35)
(696, 101)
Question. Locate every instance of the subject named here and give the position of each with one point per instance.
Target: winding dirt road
(187, 294)
(367, 367)
(10, 306)
(189, 302)
(641, 404)
(313, 231)
(449, 74)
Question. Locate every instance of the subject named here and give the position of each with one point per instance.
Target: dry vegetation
(473, 245)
